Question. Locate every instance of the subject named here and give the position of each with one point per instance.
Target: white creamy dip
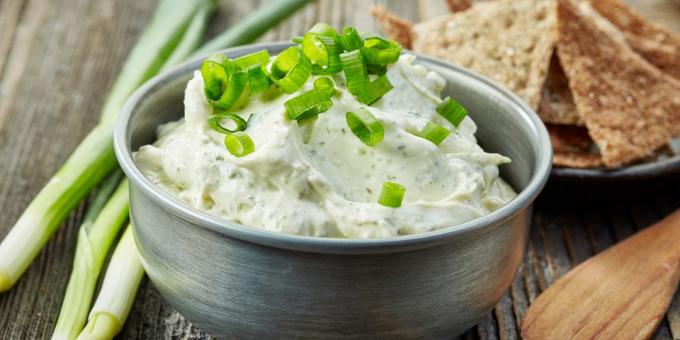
(319, 179)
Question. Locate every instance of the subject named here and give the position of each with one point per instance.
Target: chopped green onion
(309, 104)
(258, 79)
(391, 195)
(365, 126)
(350, 39)
(248, 60)
(355, 72)
(224, 82)
(357, 79)
(434, 132)
(380, 51)
(215, 122)
(326, 84)
(324, 29)
(452, 111)
(239, 144)
(376, 69)
(297, 39)
(375, 90)
(291, 69)
(322, 52)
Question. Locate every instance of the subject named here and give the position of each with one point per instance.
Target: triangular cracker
(660, 46)
(394, 27)
(629, 106)
(458, 5)
(509, 41)
(557, 103)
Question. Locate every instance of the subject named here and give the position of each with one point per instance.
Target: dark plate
(664, 164)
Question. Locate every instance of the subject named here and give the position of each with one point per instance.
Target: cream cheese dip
(319, 179)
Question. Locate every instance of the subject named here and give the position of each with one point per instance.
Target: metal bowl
(236, 281)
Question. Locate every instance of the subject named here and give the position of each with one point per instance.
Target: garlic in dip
(319, 179)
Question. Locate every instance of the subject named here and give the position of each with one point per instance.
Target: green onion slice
(223, 81)
(365, 126)
(350, 39)
(296, 40)
(258, 79)
(248, 60)
(355, 72)
(324, 29)
(376, 69)
(291, 69)
(239, 144)
(434, 132)
(215, 122)
(357, 79)
(392, 195)
(309, 104)
(325, 84)
(452, 111)
(380, 51)
(375, 90)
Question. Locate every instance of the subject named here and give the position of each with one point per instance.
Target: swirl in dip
(319, 179)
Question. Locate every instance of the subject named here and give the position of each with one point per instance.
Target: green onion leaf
(309, 104)
(291, 69)
(434, 132)
(380, 51)
(365, 126)
(215, 122)
(326, 84)
(391, 195)
(239, 144)
(248, 60)
(452, 111)
(258, 78)
(350, 39)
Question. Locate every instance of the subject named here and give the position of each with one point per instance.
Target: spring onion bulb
(117, 294)
(94, 240)
(391, 195)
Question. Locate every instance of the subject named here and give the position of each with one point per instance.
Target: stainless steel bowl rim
(265, 237)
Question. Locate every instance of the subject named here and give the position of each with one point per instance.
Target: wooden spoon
(621, 293)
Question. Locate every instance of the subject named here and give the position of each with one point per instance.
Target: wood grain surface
(57, 60)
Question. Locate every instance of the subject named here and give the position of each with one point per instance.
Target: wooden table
(57, 59)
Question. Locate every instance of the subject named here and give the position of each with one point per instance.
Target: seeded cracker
(557, 103)
(655, 43)
(509, 41)
(629, 106)
(394, 27)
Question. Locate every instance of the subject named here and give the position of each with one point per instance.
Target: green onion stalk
(95, 236)
(122, 279)
(165, 41)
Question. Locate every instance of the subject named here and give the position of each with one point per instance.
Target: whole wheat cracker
(570, 138)
(629, 106)
(509, 41)
(394, 27)
(458, 5)
(576, 159)
(557, 103)
(659, 45)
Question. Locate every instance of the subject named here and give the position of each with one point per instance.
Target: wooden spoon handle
(621, 293)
